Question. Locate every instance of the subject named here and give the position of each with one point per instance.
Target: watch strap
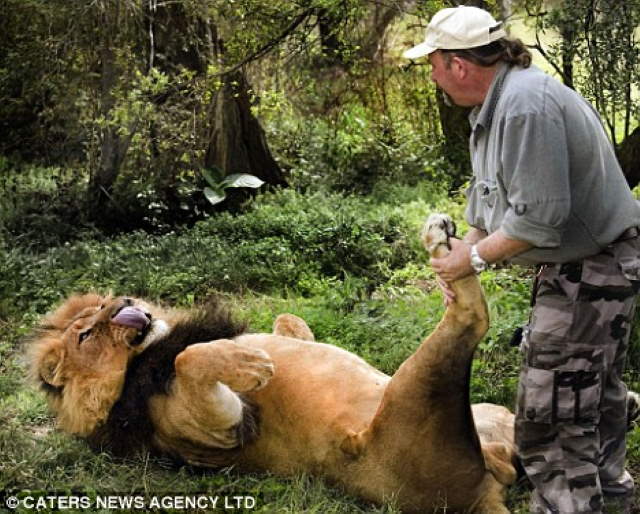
(477, 263)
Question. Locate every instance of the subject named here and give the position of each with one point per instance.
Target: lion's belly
(318, 395)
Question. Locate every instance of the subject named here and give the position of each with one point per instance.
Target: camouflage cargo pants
(571, 407)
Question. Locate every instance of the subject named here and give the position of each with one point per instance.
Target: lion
(127, 376)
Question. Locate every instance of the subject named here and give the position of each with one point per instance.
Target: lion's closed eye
(83, 335)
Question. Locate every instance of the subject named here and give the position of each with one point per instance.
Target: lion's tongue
(131, 317)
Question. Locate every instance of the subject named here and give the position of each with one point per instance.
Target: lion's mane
(128, 428)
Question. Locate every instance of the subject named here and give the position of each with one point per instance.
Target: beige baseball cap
(458, 28)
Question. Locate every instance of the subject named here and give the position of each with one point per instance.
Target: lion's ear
(50, 365)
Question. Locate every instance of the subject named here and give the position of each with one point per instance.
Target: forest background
(278, 153)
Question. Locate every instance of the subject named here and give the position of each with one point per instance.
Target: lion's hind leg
(436, 233)
(491, 500)
(499, 460)
(289, 325)
(423, 429)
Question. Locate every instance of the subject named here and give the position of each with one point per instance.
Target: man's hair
(511, 51)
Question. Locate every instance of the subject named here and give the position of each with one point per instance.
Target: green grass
(351, 266)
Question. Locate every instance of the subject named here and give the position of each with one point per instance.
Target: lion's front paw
(246, 369)
(436, 231)
(240, 367)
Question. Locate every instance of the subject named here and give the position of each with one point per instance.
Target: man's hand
(455, 265)
(449, 294)
(452, 267)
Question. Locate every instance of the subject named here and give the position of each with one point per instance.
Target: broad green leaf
(212, 176)
(214, 197)
(242, 180)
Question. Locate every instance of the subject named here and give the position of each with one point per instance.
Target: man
(547, 190)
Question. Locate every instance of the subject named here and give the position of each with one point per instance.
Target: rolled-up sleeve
(535, 166)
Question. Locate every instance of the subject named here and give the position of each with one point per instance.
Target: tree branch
(270, 45)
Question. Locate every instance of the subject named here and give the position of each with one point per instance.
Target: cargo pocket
(630, 267)
(561, 386)
(488, 193)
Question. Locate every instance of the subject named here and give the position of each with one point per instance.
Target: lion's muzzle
(133, 317)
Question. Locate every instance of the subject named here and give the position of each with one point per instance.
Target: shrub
(353, 151)
(41, 207)
(286, 240)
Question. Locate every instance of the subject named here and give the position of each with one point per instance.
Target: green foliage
(40, 207)
(133, 90)
(284, 239)
(597, 53)
(354, 153)
(215, 193)
(361, 132)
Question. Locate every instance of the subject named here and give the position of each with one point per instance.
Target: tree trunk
(330, 44)
(237, 143)
(113, 146)
(456, 130)
(628, 153)
(568, 54)
(376, 20)
(382, 14)
(506, 8)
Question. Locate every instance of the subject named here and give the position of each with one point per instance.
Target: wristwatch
(477, 263)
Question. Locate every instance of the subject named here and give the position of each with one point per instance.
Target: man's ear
(49, 364)
(459, 67)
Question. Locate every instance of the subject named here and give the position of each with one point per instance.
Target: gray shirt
(544, 170)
